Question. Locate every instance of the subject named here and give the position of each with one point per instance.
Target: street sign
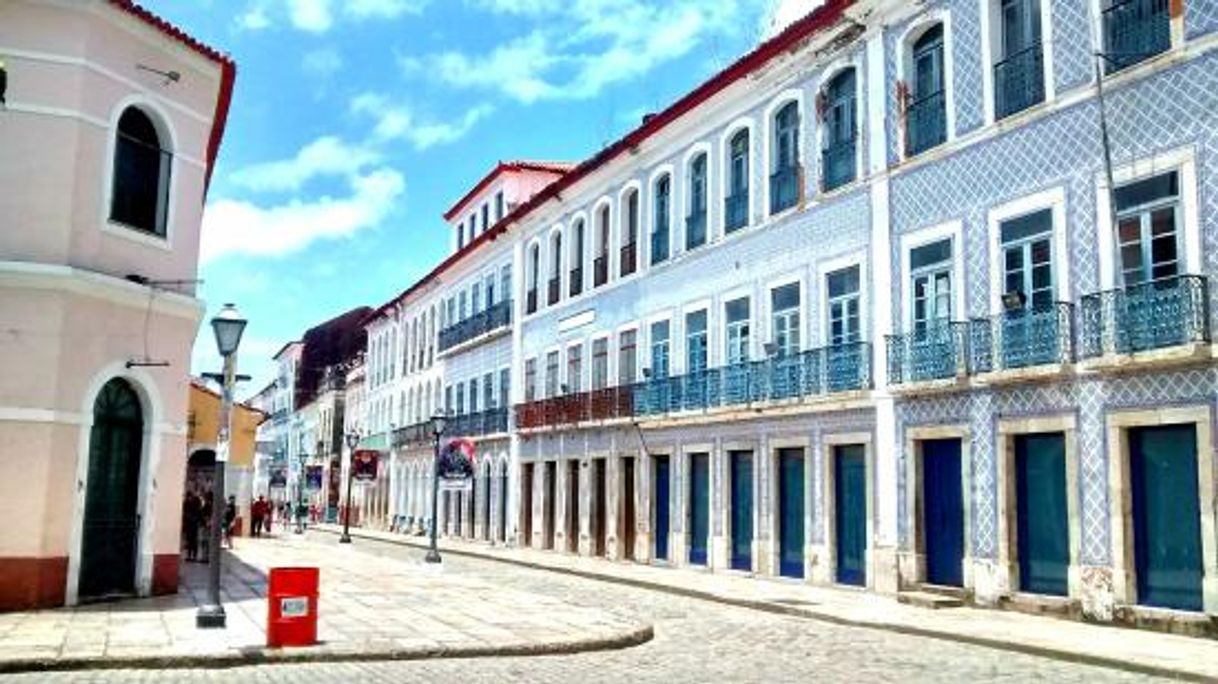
(463, 485)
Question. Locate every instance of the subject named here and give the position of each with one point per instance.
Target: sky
(356, 123)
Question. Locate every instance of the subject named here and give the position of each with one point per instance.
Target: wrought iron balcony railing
(1024, 338)
(839, 164)
(937, 352)
(555, 290)
(530, 301)
(489, 422)
(784, 188)
(695, 230)
(497, 316)
(1153, 315)
(602, 404)
(1019, 81)
(600, 270)
(576, 284)
(736, 211)
(419, 433)
(1136, 30)
(659, 244)
(629, 258)
(926, 123)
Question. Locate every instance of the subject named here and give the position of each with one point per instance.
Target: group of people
(261, 512)
(196, 523)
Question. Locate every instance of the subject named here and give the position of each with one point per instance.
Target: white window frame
(701, 147)
(909, 36)
(953, 230)
(831, 72)
(1053, 199)
(725, 164)
(767, 153)
(989, 11)
(828, 266)
(705, 304)
(647, 204)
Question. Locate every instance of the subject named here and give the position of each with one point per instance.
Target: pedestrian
(270, 515)
(257, 513)
(230, 519)
(190, 525)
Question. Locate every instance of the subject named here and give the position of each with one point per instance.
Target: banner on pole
(363, 464)
(313, 478)
(279, 477)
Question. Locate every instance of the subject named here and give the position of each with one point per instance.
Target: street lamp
(437, 428)
(228, 325)
(352, 441)
(300, 487)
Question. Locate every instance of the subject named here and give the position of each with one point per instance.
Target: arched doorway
(111, 520)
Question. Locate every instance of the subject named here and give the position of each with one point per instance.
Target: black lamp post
(352, 441)
(300, 487)
(228, 325)
(438, 422)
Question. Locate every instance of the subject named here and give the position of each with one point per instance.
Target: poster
(279, 477)
(363, 464)
(313, 478)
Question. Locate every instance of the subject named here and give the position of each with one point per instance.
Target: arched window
(532, 278)
(784, 181)
(695, 223)
(600, 266)
(140, 194)
(839, 159)
(630, 233)
(926, 111)
(555, 268)
(736, 205)
(662, 194)
(576, 284)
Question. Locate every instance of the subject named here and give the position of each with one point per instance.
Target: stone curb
(267, 656)
(1061, 654)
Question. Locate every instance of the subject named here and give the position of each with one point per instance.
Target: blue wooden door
(1041, 527)
(943, 511)
(850, 514)
(699, 507)
(791, 512)
(742, 510)
(1166, 517)
(661, 507)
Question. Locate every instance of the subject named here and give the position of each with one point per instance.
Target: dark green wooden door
(943, 508)
(661, 507)
(111, 524)
(742, 510)
(791, 512)
(1166, 516)
(1042, 519)
(699, 507)
(850, 513)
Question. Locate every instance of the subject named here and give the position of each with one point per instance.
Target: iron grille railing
(1019, 81)
(491, 421)
(659, 244)
(1136, 30)
(695, 230)
(419, 433)
(530, 301)
(839, 163)
(736, 211)
(497, 316)
(629, 258)
(576, 285)
(1023, 338)
(1153, 315)
(938, 351)
(784, 188)
(555, 290)
(926, 123)
(600, 270)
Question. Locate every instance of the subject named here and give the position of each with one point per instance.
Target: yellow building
(203, 428)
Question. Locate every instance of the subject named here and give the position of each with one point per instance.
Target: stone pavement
(369, 607)
(1128, 649)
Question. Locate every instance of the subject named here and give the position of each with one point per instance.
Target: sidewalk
(1127, 649)
(370, 608)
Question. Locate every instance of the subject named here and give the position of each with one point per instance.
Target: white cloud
(322, 63)
(319, 16)
(327, 156)
(255, 19)
(399, 122)
(243, 227)
(311, 15)
(520, 7)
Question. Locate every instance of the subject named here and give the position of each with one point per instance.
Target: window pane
(738, 310)
(844, 282)
(1147, 191)
(785, 297)
(1027, 226)
(696, 322)
(929, 255)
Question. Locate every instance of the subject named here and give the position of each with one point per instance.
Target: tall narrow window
(839, 158)
(659, 349)
(600, 267)
(460, 235)
(576, 280)
(552, 374)
(488, 391)
(1135, 30)
(555, 268)
(460, 398)
(1148, 228)
(630, 234)
(475, 296)
(931, 274)
(486, 216)
(505, 282)
(473, 395)
(695, 223)
(660, 217)
(926, 114)
(737, 320)
(575, 369)
(530, 380)
(1019, 75)
(695, 342)
(505, 384)
(736, 204)
(784, 302)
(498, 206)
(140, 194)
(490, 290)
(461, 311)
(627, 358)
(600, 363)
(784, 179)
(533, 277)
(842, 288)
(1027, 258)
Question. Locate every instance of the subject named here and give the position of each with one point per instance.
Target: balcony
(602, 404)
(695, 230)
(736, 211)
(659, 245)
(492, 421)
(629, 259)
(600, 270)
(576, 283)
(419, 433)
(1023, 339)
(1136, 30)
(1158, 315)
(839, 164)
(1019, 82)
(554, 291)
(784, 189)
(937, 353)
(530, 301)
(926, 123)
(497, 316)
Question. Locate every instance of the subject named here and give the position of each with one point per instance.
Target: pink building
(113, 121)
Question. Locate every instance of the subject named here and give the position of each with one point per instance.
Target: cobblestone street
(695, 641)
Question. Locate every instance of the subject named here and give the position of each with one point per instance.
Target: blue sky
(355, 124)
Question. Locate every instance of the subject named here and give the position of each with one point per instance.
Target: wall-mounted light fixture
(169, 76)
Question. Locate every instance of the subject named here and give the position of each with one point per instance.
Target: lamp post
(437, 428)
(352, 441)
(228, 325)
(300, 487)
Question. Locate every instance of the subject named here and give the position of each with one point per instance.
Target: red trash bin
(291, 607)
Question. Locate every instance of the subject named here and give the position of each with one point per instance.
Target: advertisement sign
(363, 464)
(279, 477)
(313, 478)
(456, 463)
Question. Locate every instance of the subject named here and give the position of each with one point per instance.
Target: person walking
(230, 519)
(257, 513)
